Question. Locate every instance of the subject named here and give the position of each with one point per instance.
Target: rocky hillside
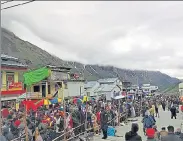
(36, 57)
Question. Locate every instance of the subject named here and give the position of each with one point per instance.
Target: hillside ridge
(35, 57)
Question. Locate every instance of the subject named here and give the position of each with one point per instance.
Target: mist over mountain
(36, 57)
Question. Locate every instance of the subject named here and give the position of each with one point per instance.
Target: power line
(6, 2)
(17, 5)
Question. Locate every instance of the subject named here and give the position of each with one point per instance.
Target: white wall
(109, 94)
(181, 89)
(74, 88)
(91, 91)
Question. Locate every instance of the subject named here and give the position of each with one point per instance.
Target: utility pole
(0, 89)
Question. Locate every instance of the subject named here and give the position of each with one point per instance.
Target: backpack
(148, 122)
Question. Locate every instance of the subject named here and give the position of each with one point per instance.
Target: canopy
(36, 76)
(119, 97)
(56, 100)
(23, 96)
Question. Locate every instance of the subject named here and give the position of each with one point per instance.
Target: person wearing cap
(133, 135)
(150, 132)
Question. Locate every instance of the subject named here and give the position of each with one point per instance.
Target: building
(75, 88)
(54, 85)
(103, 87)
(109, 91)
(110, 81)
(90, 88)
(148, 88)
(11, 74)
(181, 89)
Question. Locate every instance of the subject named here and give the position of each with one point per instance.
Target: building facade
(103, 87)
(74, 88)
(181, 89)
(90, 88)
(11, 74)
(148, 88)
(52, 86)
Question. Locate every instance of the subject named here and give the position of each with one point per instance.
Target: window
(88, 93)
(36, 88)
(9, 78)
(49, 89)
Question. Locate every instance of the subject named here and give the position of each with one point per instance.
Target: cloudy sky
(133, 35)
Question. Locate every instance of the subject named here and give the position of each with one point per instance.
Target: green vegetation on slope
(172, 89)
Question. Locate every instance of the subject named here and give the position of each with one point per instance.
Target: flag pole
(25, 119)
(0, 92)
(64, 110)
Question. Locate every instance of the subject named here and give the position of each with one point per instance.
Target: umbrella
(56, 100)
(77, 100)
(47, 102)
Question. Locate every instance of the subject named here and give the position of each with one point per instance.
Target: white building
(110, 81)
(90, 88)
(103, 87)
(181, 89)
(107, 90)
(148, 88)
(74, 88)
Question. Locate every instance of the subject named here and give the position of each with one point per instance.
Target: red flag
(40, 103)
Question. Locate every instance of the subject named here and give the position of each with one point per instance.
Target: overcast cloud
(133, 35)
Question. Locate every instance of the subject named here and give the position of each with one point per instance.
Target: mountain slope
(36, 57)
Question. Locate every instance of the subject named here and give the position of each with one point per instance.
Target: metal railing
(73, 137)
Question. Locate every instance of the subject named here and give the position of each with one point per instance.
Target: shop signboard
(15, 86)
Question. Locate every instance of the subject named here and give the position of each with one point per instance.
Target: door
(43, 90)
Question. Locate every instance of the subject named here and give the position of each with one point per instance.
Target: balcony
(34, 95)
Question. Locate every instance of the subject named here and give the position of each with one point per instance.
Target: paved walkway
(163, 121)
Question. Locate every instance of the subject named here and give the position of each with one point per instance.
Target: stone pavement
(163, 121)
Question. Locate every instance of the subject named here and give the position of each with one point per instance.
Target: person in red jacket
(181, 108)
(98, 119)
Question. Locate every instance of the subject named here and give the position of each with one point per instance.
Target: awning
(23, 96)
(8, 98)
(119, 97)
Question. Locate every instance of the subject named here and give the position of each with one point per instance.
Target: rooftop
(59, 68)
(90, 84)
(11, 61)
(105, 88)
(3, 56)
(107, 80)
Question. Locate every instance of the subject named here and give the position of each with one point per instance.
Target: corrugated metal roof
(107, 80)
(105, 88)
(8, 57)
(90, 84)
(12, 63)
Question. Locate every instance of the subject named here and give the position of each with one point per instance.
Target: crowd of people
(47, 122)
(54, 123)
(149, 112)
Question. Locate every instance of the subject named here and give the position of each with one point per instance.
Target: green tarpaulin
(36, 76)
